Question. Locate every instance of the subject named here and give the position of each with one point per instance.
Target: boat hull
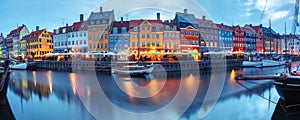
(289, 90)
(252, 64)
(272, 63)
(133, 72)
(21, 66)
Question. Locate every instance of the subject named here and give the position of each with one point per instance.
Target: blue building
(225, 42)
(250, 37)
(3, 49)
(119, 37)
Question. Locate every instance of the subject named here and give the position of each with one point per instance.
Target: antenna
(63, 21)
(263, 12)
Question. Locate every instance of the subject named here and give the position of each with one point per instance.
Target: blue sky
(52, 14)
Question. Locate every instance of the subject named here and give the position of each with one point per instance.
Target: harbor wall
(101, 66)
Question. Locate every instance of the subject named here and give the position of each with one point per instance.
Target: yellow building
(40, 43)
(149, 33)
(99, 24)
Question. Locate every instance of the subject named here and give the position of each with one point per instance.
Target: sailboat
(273, 61)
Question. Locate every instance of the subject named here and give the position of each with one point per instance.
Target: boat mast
(271, 36)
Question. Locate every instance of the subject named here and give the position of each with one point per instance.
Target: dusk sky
(52, 14)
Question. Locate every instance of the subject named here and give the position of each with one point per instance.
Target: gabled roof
(101, 15)
(153, 23)
(37, 32)
(248, 30)
(15, 31)
(119, 25)
(224, 27)
(186, 18)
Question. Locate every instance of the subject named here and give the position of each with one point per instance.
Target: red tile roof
(37, 32)
(156, 23)
(119, 25)
(15, 31)
(248, 30)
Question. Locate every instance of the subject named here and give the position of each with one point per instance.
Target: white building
(78, 36)
(60, 39)
(14, 38)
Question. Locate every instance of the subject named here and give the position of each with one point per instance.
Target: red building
(190, 40)
(259, 40)
(239, 43)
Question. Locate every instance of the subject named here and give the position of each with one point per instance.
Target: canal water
(190, 95)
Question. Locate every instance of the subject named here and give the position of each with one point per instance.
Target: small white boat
(272, 63)
(18, 66)
(134, 69)
(252, 63)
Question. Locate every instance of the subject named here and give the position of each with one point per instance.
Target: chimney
(81, 17)
(121, 19)
(54, 31)
(250, 25)
(185, 11)
(260, 25)
(100, 9)
(37, 28)
(158, 16)
(67, 25)
(1, 35)
(203, 17)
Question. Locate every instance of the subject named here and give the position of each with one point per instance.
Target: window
(148, 35)
(133, 44)
(148, 28)
(157, 44)
(143, 35)
(104, 21)
(115, 30)
(153, 44)
(157, 29)
(157, 36)
(143, 44)
(98, 22)
(148, 44)
(133, 36)
(174, 28)
(124, 30)
(84, 42)
(135, 29)
(92, 22)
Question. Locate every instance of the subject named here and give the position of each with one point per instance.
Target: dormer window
(135, 29)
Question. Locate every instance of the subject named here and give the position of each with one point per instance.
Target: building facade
(190, 41)
(171, 37)
(225, 38)
(78, 37)
(40, 42)
(239, 43)
(60, 39)
(99, 25)
(209, 32)
(13, 40)
(119, 40)
(250, 38)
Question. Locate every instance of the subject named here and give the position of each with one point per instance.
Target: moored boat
(252, 63)
(132, 69)
(289, 89)
(18, 66)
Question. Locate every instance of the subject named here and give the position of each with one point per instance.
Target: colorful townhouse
(189, 32)
(171, 36)
(290, 43)
(23, 47)
(250, 38)
(13, 40)
(146, 36)
(271, 40)
(239, 43)
(119, 37)
(77, 40)
(99, 25)
(60, 39)
(225, 38)
(40, 42)
(209, 32)
(260, 37)
(1, 43)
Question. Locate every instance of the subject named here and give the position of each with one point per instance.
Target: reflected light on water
(128, 86)
(232, 78)
(190, 83)
(73, 82)
(49, 76)
(34, 78)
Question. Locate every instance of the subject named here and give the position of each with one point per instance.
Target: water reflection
(60, 95)
(44, 95)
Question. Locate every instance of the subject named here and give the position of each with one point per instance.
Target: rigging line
(255, 92)
(263, 12)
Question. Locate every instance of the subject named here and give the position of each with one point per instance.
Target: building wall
(41, 45)
(78, 41)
